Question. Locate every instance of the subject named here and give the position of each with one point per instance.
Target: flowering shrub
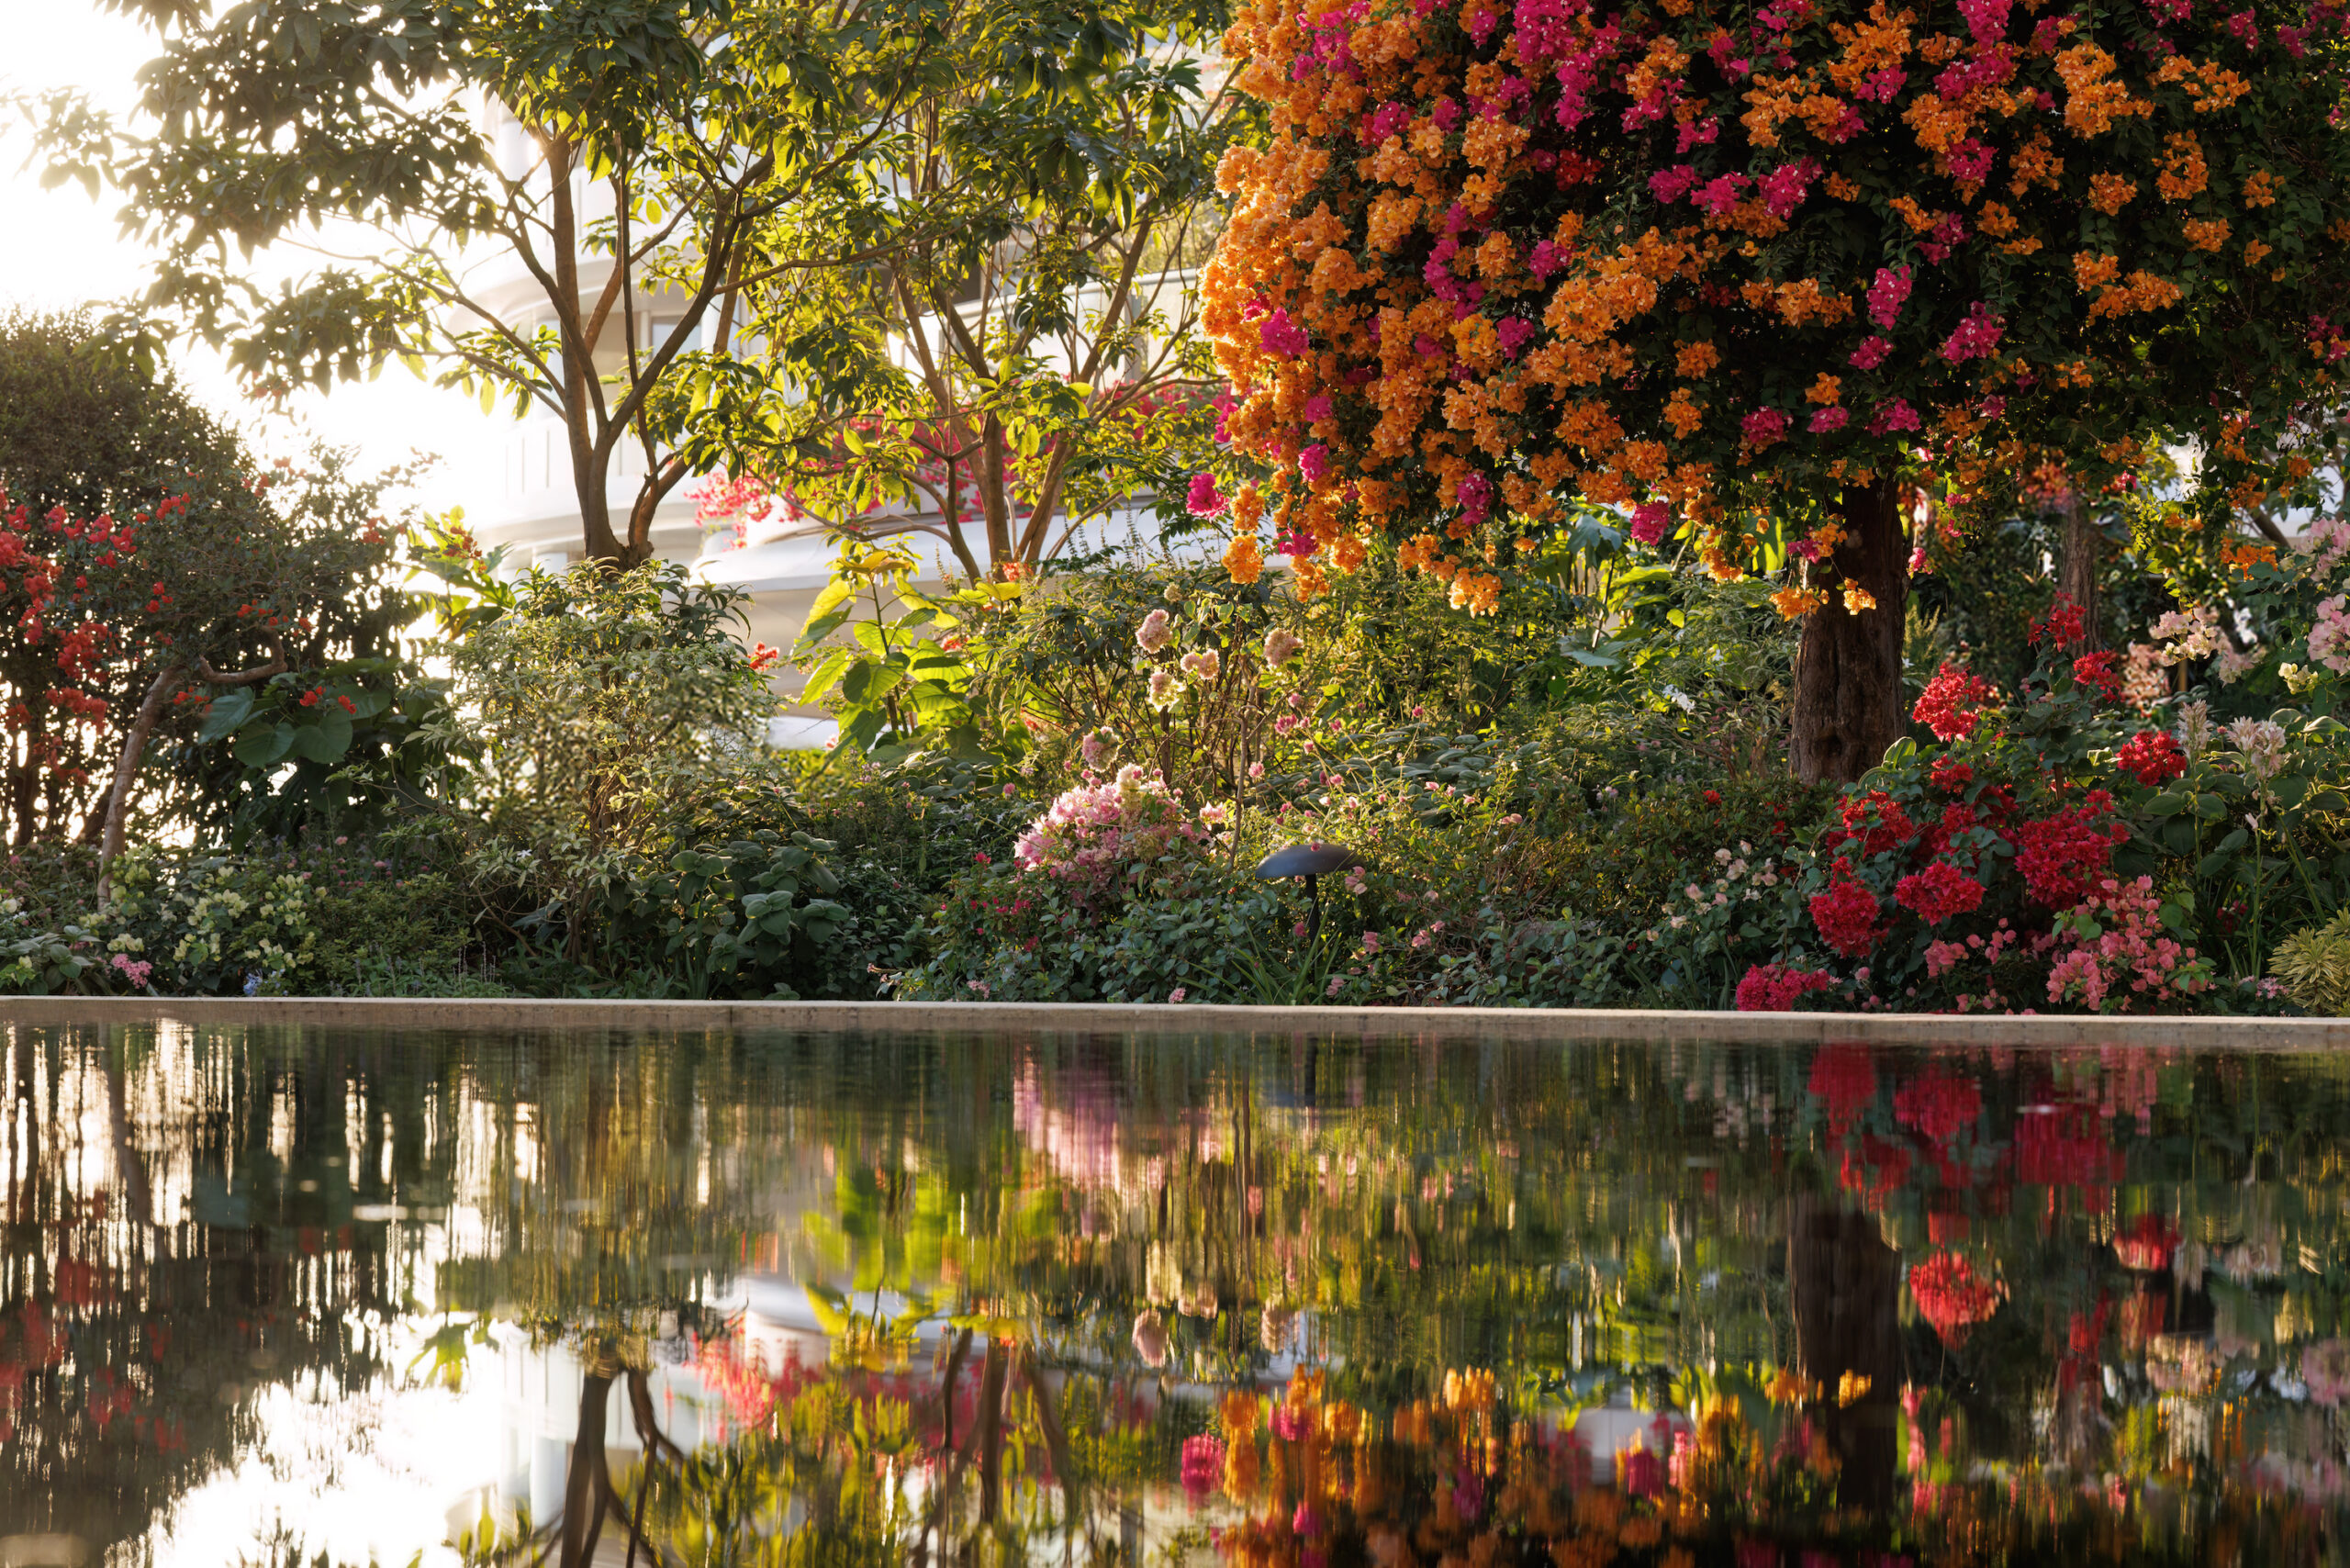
(2113, 939)
(1768, 987)
(1491, 256)
(1093, 833)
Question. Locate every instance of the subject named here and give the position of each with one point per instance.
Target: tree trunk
(126, 772)
(1848, 705)
(583, 1488)
(1846, 1285)
(2076, 571)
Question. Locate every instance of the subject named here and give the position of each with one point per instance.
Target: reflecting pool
(281, 1297)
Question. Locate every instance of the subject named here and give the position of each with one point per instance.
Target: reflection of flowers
(1951, 1296)
(2146, 1245)
(2325, 1367)
(1203, 1464)
(1150, 1337)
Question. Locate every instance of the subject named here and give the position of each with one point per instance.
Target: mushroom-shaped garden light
(1311, 861)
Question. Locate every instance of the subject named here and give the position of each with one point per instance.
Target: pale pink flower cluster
(2231, 667)
(2330, 638)
(2131, 949)
(2325, 1368)
(1092, 831)
(2324, 544)
(2262, 741)
(2143, 677)
(2194, 730)
(2191, 633)
(1943, 957)
(1280, 646)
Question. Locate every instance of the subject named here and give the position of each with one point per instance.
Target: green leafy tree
(631, 156)
(1015, 353)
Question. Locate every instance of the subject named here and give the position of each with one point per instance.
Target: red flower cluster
(1951, 1296)
(1938, 892)
(2096, 671)
(1771, 988)
(1846, 916)
(2061, 857)
(1952, 703)
(1939, 1105)
(2146, 1244)
(1950, 776)
(1874, 821)
(1845, 1078)
(2064, 624)
(2152, 757)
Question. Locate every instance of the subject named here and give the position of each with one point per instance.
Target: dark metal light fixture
(1311, 861)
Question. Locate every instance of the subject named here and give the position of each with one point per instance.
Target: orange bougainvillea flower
(1492, 261)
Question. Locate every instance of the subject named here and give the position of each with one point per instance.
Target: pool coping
(1531, 1025)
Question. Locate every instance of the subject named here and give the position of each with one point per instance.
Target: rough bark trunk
(1847, 706)
(2076, 571)
(1846, 1285)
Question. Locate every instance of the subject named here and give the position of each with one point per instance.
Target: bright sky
(66, 252)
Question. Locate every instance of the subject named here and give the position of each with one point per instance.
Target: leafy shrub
(282, 921)
(2315, 967)
(599, 706)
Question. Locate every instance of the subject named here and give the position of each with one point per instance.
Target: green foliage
(896, 685)
(309, 919)
(741, 918)
(2314, 964)
(1012, 354)
(598, 708)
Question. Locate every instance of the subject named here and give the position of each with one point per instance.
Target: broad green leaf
(266, 748)
(835, 593)
(225, 713)
(326, 741)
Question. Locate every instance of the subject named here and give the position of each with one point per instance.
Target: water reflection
(716, 1300)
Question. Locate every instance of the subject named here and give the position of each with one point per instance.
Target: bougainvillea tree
(1754, 275)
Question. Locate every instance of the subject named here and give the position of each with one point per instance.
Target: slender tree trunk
(1848, 705)
(1846, 1289)
(2076, 571)
(126, 771)
(583, 1489)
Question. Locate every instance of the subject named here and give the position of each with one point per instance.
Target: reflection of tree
(130, 1336)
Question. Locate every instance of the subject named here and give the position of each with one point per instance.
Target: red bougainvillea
(2152, 758)
(1952, 703)
(1951, 1296)
(1771, 988)
(1846, 916)
(1938, 892)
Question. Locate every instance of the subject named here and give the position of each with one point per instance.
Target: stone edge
(1146, 1018)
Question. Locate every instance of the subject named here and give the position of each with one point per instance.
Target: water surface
(269, 1296)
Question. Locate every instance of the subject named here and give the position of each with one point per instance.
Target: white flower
(2194, 728)
(2262, 741)
(1166, 690)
